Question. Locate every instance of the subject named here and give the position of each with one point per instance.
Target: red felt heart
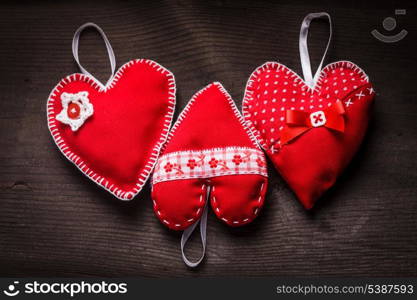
(209, 146)
(117, 145)
(278, 106)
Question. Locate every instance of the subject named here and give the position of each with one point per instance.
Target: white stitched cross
(349, 102)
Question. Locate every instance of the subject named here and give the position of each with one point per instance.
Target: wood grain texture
(56, 222)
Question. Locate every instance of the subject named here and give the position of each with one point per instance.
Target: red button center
(73, 110)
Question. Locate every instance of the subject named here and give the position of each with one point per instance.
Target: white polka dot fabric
(273, 89)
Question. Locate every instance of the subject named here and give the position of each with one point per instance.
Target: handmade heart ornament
(209, 146)
(113, 133)
(210, 156)
(309, 129)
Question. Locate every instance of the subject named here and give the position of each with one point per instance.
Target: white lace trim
(183, 115)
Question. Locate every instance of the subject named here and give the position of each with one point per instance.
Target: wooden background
(56, 222)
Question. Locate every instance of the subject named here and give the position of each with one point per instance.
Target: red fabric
(298, 122)
(118, 145)
(312, 161)
(210, 120)
(211, 124)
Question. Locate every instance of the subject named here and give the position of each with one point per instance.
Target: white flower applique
(76, 108)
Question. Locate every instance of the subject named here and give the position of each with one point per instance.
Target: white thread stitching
(190, 103)
(297, 79)
(79, 100)
(181, 118)
(164, 220)
(229, 161)
(237, 114)
(218, 210)
(78, 162)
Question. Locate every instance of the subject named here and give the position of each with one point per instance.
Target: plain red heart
(119, 144)
(310, 163)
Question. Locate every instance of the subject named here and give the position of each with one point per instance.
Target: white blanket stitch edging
(271, 64)
(78, 162)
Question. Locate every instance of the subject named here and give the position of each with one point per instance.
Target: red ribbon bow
(298, 122)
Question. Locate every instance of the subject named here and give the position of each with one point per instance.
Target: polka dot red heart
(311, 162)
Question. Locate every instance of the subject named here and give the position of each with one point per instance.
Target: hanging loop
(189, 231)
(75, 43)
(304, 56)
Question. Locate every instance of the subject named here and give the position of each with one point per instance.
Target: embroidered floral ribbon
(209, 163)
(298, 122)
